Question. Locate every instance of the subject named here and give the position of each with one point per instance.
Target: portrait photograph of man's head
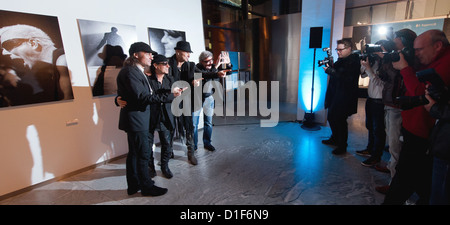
(164, 41)
(33, 66)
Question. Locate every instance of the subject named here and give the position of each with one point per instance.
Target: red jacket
(417, 120)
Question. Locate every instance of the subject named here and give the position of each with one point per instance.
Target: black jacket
(133, 87)
(342, 91)
(185, 74)
(440, 135)
(158, 109)
(207, 75)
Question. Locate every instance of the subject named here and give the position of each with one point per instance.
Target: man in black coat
(182, 69)
(341, 98)
(161, 117)
(133, 87)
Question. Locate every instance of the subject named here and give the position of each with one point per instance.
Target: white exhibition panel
(49, 140)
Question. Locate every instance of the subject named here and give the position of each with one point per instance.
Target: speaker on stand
(315, 42)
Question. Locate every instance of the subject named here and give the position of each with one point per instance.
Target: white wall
(35, 143)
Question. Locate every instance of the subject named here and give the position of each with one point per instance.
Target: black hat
(183, 46)
(140, 47)
(159, 59)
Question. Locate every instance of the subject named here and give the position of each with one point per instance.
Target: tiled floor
(251, 166)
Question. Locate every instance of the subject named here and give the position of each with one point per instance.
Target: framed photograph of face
(105, 47)
(164, 41)
(33, 66)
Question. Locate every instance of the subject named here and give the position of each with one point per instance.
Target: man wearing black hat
(133, 87)
(161, 117)
(182, 69)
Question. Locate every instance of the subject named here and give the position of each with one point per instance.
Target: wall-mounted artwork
(164, 41)
(33, 66)
(105, 47)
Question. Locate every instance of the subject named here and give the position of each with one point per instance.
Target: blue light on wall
(320, 77)
(316, 13)
(306, 90)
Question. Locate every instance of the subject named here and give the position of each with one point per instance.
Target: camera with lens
(369, 51)
(226, 66)
(437, 91)
(328, 61)
(394, 56)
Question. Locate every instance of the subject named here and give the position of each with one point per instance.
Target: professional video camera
(328, 61)
(437, 91)
(369, 50)
(393, 56)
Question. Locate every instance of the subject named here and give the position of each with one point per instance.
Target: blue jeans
(440, 184)
(208, 111)
(393, 121)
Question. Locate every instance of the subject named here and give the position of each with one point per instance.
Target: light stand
(315, 41)
(308, 121)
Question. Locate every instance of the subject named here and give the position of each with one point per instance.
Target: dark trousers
(375, 126)
(185, 126)
(413, 172)
(165, 137)
(339, 128)
(440, 185)
(138, 157)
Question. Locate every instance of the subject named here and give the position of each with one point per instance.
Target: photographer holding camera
(440, 150)
(393, 88)
(375, 66)
(341, 98)
(413, 171)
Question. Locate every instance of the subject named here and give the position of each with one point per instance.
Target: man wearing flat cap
(182, 69)
(134, 87)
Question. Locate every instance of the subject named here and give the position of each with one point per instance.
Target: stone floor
(283, 165)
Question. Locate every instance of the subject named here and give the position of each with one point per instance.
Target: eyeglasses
(163, 63)
(207, 61)
(10, 44)
(340, 49)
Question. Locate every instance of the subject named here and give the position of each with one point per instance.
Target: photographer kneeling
(414, 167)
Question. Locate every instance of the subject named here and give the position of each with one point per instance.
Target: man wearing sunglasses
(209, 72)
(341, 98)
(41, 64)
(161, 117)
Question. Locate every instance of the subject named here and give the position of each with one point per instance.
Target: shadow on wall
(50, 140)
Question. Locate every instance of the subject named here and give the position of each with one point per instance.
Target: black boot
(165, 156)
(151, 165)
(166, 171)
(153, 191)
(151, 169)
(191, 156)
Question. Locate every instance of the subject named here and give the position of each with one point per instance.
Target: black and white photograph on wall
(33, 66)
(105, 47)
(164, 41)
(362, 35)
